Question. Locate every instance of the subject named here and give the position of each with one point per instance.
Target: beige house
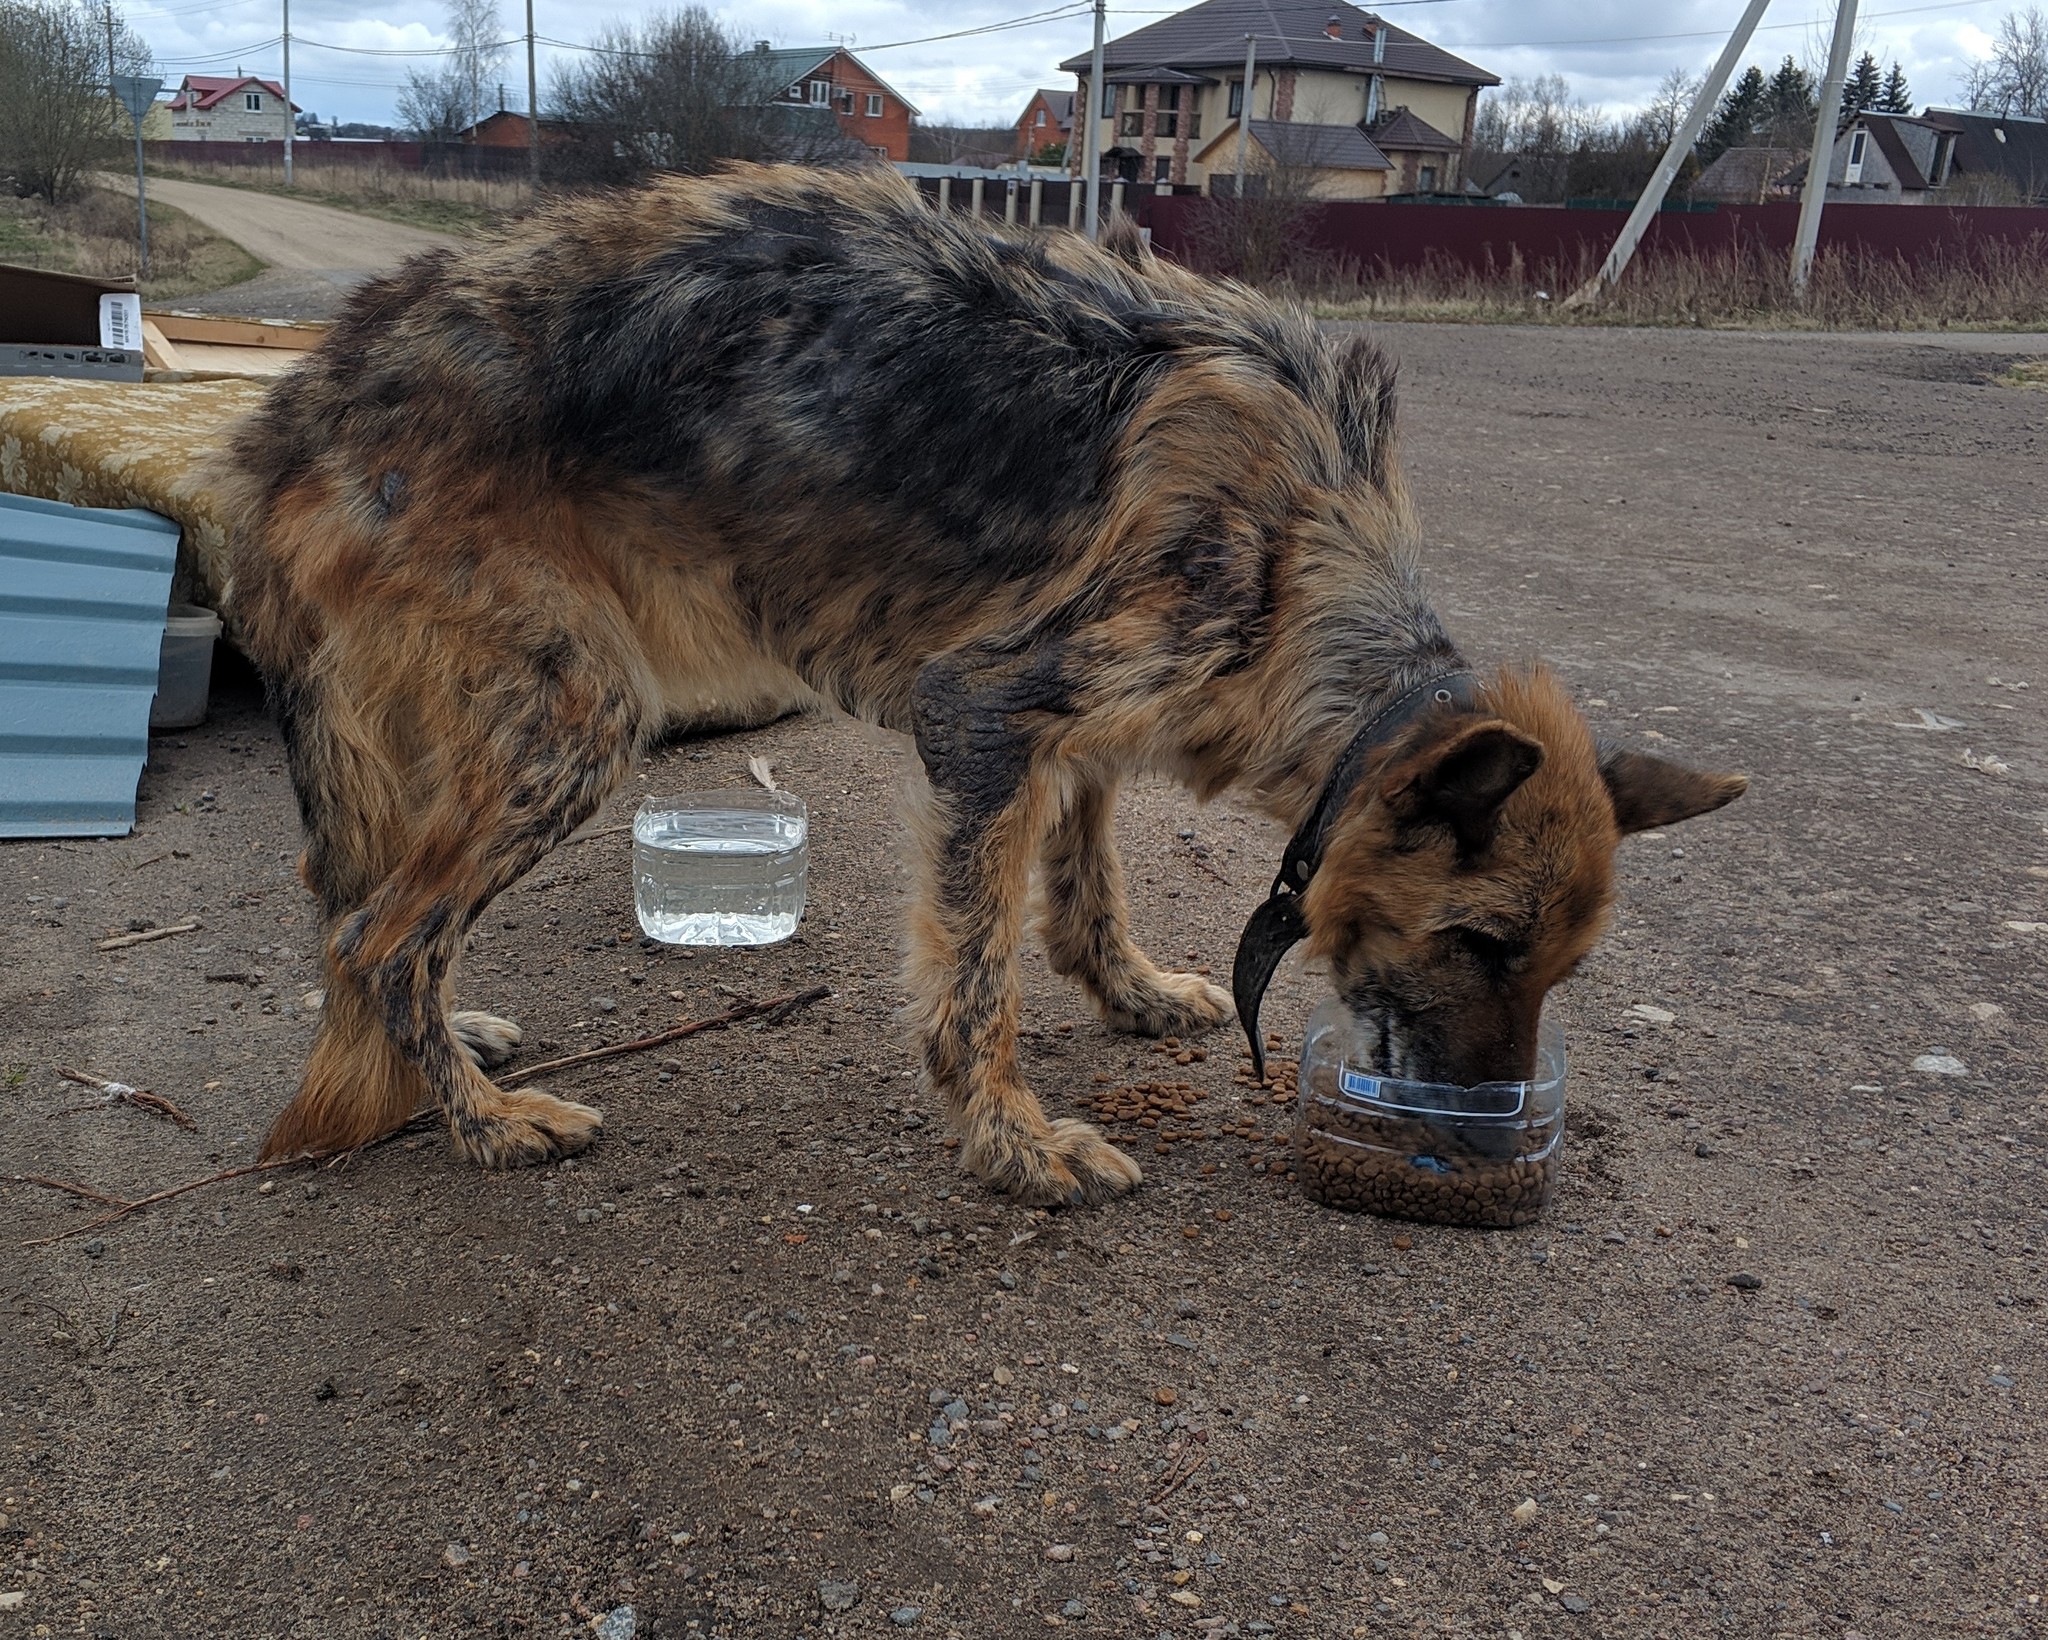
(230, 108)
(1343, 104)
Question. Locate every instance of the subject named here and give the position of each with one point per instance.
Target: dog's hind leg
(1087, 928)
(986, 728)
(527, 748)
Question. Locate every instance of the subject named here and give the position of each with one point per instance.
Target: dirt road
(338, 248)
(765, 1364)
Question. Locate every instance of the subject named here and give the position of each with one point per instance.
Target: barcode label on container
(121, 320)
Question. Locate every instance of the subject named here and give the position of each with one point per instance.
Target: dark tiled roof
(1320, 147)
(1885, 133)
(2009, 146)
(1060, 102)
(1402, 131)
(1744, 175)
(1156, 75)
(1211, 35)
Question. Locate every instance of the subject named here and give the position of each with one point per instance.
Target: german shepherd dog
(1061, 514)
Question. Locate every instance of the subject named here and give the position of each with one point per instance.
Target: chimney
(761, 46)
(1334, 28)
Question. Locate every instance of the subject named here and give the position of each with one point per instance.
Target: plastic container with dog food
(184, 669)
(1485, 1155)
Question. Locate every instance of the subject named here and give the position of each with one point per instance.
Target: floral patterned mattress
(128, 444)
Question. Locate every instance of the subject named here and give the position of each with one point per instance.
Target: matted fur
(722, 444)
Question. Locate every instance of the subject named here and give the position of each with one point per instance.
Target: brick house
(1361, 108)
(1047, 118)
(867, 109)
(230, 108)
(507, 129)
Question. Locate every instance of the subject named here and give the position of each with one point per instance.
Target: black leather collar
(1278, 924)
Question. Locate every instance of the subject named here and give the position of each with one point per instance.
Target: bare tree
(1264, 232)
(2014, 78)
(1667, 107)
(1540, 121)
(479, 53)
(55, 128)
(433, 104)
(680, 92)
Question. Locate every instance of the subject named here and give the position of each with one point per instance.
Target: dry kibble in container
(1484, 1155)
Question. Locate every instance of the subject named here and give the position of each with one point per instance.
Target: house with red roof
(230, 108)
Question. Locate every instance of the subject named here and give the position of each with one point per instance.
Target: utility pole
(110, 43)
(1682, 140)
(532, 103)
(1244, 106)
(1814, 195)
(290, 125)
(1091, 148)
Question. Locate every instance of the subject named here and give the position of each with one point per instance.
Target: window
(874, 105)
(1168, 123)
(1858, 140)
(1426, 182)
(1944, 153)
(253, 101)
(1108, 101)
(821, 92)
(1236, 98)
(1040, 119)
(1162, 169)
(1132, 125)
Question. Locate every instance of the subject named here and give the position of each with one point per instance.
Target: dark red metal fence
(1547, 236)
(466, 159)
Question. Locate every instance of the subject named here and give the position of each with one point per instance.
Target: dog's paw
(1164, 1004)
(487, 1039)
(522, 1127)
(1067, 1164)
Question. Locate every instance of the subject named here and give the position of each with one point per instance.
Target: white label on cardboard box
(121, 320)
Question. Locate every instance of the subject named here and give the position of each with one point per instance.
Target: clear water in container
(720, 868)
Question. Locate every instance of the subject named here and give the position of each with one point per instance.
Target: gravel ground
(765, 1363)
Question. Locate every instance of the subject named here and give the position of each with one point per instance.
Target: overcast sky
(1612, 52)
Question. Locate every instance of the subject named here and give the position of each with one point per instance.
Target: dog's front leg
(988, 721)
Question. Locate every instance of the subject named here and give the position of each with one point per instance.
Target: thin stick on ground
(121, 942)
(84, 1191)
(121, 1093)
(771, 1012)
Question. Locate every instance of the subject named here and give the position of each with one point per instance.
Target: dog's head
(1472, 868)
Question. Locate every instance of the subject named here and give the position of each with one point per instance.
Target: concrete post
(945, 195)
(974, 207)
(1681, 144)
(1037, 200)
(1814, 195)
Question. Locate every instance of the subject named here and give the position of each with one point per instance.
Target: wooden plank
(186, 327)
(237, 361)
(157, 351)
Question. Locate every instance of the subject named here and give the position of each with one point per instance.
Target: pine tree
(1895, 98)
(1864, 87)
(1790, 106)
(1736, 118)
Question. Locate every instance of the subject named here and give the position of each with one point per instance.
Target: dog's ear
(1365, 407)
(1461, 779)
(1124, 241)
(1649, 791)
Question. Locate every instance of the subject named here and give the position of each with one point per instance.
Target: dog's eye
(1491, 951)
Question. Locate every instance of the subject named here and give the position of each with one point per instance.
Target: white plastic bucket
(184, 667)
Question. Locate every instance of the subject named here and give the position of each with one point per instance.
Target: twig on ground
(771, 1012)
(1176, 1481)
(122, 941)
(142, 1202)
(120, 1093)
(48, 1183)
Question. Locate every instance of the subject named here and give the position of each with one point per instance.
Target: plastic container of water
(721, 868)
(1482, 1155)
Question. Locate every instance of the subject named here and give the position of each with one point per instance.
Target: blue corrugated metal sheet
(82, 597)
